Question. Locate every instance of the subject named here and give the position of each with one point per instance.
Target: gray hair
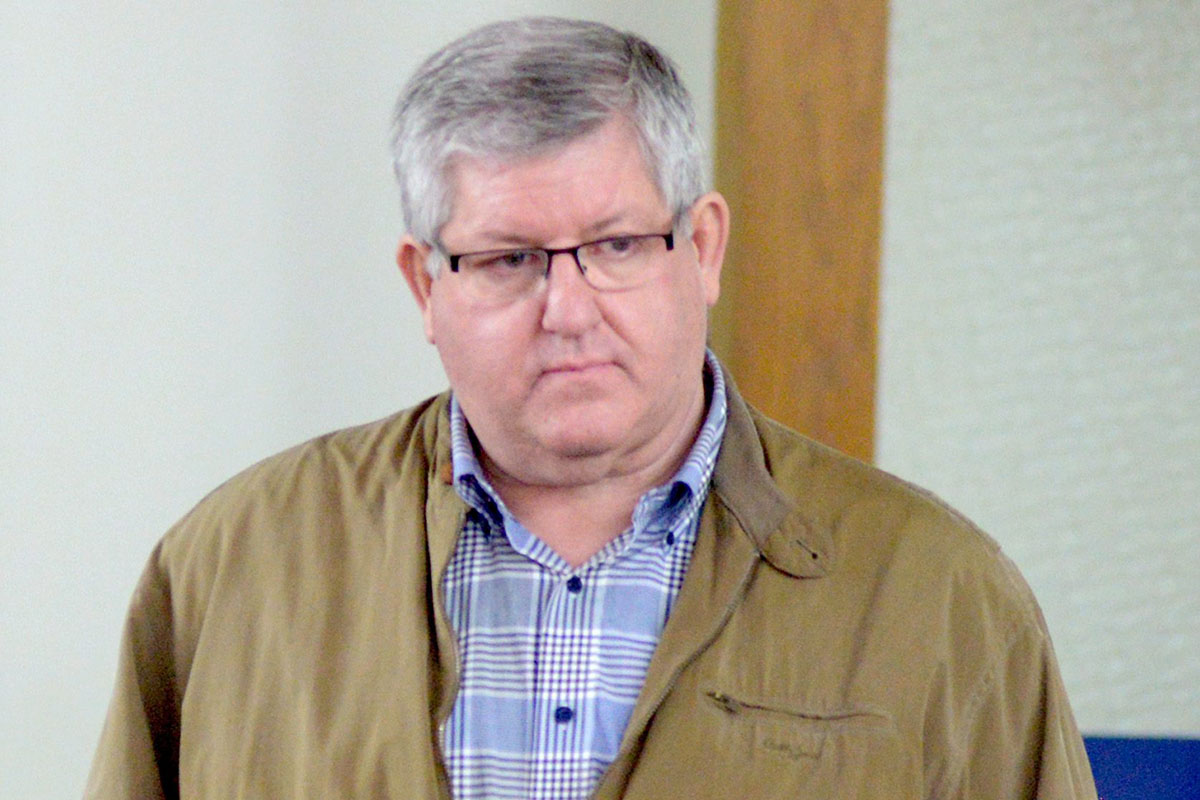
(518, 89)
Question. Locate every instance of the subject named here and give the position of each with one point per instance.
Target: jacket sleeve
(1020, 739)
(138, 754)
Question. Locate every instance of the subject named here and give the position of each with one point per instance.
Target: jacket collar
(790, 530)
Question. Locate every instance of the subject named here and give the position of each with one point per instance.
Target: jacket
(839, 633)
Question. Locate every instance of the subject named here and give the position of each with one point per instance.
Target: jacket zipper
(732, 705)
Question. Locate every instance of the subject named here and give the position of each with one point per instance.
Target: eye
(618, 245)
(616, 248)
(500, 260)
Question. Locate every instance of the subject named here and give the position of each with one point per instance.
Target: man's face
(570, 384)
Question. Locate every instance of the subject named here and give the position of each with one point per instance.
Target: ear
(411, 257)
(710, 232)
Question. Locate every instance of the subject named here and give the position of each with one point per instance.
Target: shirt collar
(658, 509)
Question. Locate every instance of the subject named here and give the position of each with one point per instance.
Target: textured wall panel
(1040, 323)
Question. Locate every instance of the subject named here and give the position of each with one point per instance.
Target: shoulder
(915, 612)
(371, 453)
(880, 526)
(314, 484)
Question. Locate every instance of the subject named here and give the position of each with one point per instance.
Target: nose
(570, 301)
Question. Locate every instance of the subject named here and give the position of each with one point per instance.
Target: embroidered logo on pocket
(810, 747)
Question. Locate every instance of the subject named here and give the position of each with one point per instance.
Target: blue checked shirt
(552, 658)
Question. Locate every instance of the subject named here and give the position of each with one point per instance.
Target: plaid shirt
(552, 658)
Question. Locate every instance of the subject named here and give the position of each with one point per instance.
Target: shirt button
(563, 714)
(575, 586)
(670, 538)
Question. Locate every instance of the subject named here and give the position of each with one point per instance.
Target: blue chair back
(1145, 768)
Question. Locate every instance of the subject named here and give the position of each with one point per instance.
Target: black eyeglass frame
(668, 238)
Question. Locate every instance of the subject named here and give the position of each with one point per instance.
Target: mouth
(577, 366)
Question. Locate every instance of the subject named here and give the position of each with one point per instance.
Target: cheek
(682, 317)
(451, 338)
(475, 345)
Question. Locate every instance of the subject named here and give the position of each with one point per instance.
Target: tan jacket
(839, 634)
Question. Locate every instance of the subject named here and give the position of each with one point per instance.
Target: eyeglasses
(611, 264)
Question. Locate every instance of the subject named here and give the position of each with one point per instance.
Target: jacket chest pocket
(791, 733)
(731, 745)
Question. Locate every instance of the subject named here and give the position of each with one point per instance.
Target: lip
(575, 367)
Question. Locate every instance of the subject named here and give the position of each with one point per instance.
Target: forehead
(595, 181)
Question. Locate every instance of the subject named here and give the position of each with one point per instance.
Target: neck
(577, 516)
(574, 522)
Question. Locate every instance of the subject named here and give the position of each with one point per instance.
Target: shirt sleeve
(138, 754)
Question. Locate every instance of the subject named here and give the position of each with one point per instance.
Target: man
(590, 570)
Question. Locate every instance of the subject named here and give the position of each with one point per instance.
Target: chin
(574, 444)
(582, 432)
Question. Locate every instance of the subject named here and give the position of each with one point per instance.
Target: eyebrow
(607, 226)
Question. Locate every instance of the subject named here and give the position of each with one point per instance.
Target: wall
(196, 270)
(1040, 328)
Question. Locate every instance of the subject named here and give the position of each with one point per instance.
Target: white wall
(197, 223)
(1041, 319)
